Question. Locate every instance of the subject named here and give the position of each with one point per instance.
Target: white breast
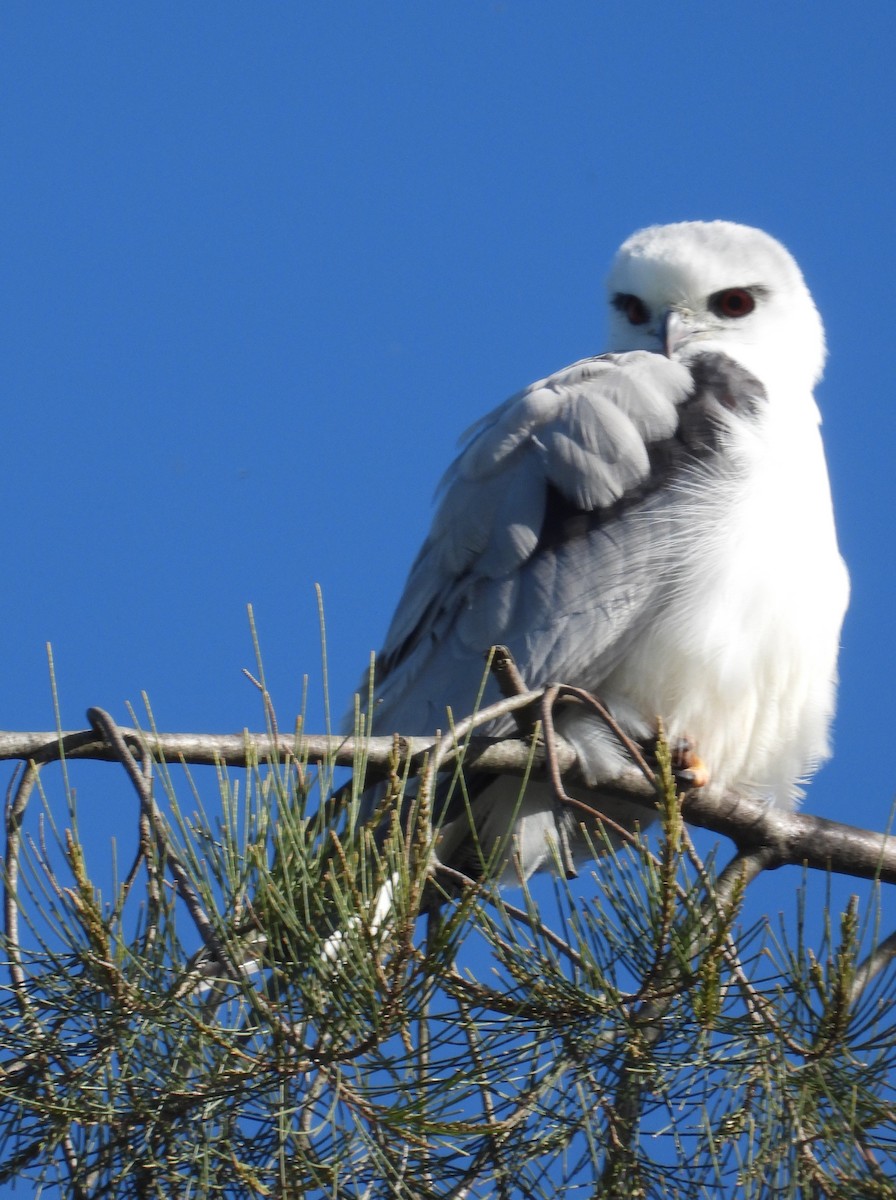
(743, 659)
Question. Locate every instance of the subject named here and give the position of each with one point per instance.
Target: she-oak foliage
(631, 1035)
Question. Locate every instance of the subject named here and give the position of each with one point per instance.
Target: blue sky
(261, 264)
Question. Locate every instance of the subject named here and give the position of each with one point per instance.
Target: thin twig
(517, 914)
(499, 1168)
(563, 691)
(882, 955)
(142, 779)
(562, 798)
(625, 1110)
(759, 1008)
(15, 814)
(511, 683)
(268, 703)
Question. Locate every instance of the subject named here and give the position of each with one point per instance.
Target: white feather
(702, 584)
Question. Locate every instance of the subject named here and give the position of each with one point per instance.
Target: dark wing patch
(545, 524)
(718, 383)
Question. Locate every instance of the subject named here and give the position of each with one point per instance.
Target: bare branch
(882, 955)
(784, 837)
(511, 683)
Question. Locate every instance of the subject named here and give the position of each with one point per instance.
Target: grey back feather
(549, 535)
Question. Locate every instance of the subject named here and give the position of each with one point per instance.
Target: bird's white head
(716, 286)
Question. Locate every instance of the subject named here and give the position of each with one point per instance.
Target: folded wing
(555, 530)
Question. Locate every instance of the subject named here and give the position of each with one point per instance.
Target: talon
(689, 767)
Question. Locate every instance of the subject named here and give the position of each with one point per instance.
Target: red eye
(635, 310)
(733, 302)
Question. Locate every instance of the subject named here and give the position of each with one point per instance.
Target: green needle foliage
(630, 1036)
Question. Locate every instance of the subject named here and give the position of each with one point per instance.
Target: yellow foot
(690, 769)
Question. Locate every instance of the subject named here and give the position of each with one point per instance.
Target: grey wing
(549, 535)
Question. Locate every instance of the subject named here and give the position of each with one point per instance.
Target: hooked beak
(674, 330)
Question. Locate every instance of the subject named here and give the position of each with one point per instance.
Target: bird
(654, 525)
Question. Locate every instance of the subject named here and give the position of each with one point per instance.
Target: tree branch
(784, 837)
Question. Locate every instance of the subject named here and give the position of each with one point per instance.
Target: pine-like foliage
(632, 1034)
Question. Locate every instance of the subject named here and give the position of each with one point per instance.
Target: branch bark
(784, 837)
